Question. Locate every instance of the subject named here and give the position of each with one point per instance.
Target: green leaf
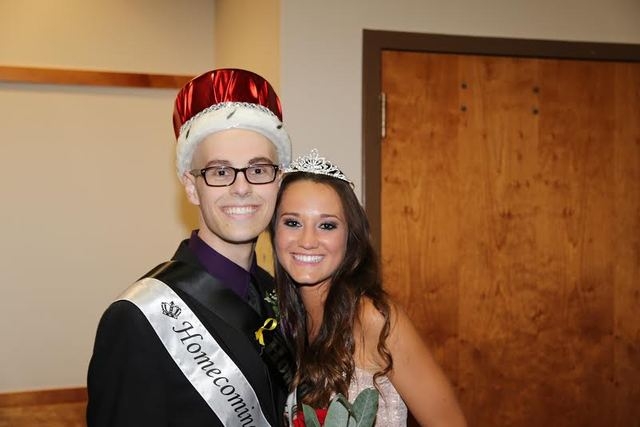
(338, 413)
(365, 407)
(343, 400)
(310, 417)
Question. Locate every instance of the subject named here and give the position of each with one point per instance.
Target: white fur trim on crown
(231, 115)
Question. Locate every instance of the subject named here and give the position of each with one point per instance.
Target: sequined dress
(392, 411)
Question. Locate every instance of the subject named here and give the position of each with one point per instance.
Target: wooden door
(510, 216)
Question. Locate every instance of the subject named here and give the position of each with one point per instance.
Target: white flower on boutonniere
(272, 299)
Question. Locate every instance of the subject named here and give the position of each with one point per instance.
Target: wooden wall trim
(43, 397)
(90, 78)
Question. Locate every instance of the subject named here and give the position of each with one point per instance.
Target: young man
(185, 345)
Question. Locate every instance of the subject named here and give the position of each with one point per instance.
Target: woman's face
(310, 232)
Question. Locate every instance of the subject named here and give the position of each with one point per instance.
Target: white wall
(90, 199)
(321, 50)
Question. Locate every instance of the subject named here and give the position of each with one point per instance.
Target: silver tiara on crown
(316, 164)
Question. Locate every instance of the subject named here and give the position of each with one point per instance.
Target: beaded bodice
(392, 410)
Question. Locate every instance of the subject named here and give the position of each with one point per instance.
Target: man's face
(238, 213)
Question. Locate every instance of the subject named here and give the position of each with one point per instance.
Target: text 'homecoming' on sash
(205, 364)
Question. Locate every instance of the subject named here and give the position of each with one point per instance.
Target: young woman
(346, 333)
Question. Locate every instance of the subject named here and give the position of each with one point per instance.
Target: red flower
(298, 419)
(322, 414)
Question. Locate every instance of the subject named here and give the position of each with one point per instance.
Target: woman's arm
(418, 378)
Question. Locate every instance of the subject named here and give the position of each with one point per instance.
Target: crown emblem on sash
(170, 309)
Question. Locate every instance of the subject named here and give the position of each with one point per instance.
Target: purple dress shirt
(229, 273)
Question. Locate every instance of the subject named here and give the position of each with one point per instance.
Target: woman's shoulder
(375, 319)
(400, 326)
(370, 326)
(370, 317)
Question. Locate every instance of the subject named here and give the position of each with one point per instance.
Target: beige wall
(90, 199)
(247, 35)
(321, 49)
(160, 36)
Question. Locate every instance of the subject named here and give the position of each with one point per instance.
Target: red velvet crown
(227, 99)
(223, 85)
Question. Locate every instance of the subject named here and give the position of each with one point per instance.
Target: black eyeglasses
(223, 176)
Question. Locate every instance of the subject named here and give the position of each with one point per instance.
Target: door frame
(375, 41)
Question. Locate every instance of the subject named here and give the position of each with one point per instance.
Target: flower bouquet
(342, 413)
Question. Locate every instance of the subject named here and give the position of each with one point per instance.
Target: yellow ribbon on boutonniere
(269, 325)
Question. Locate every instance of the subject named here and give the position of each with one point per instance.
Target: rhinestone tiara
(313, 163)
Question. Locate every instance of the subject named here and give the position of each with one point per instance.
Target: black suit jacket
(133, 381)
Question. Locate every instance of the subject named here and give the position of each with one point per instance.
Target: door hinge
(383, 115)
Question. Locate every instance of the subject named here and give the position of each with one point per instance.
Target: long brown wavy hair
(326, 365)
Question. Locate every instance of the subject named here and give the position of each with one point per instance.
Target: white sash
(205, 364)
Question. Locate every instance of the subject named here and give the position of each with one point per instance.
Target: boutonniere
(268, 325)
(275, 350)
(272, 299)
(271, 323)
